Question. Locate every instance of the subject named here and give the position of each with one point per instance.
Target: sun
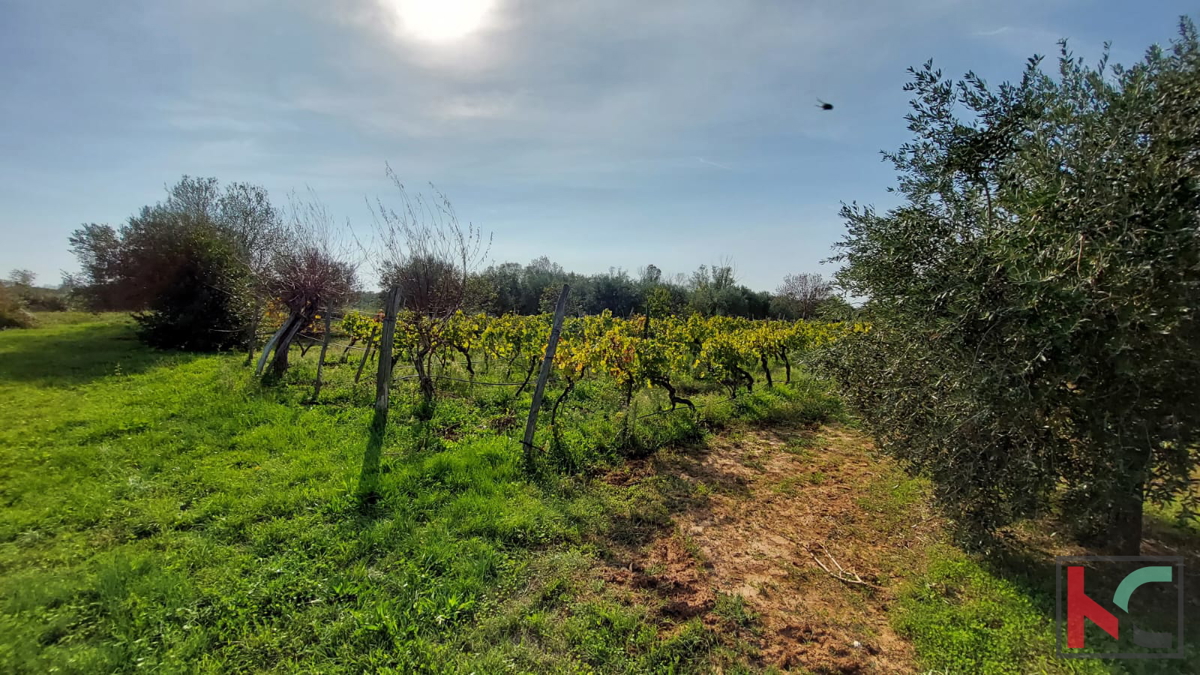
(441, 20)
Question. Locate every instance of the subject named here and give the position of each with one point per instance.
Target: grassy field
(163, 512)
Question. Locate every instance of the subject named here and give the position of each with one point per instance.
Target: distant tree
(1033, 301)
(536, 277)
(713, 291)
(723, 276)
(659, 302)
(99, 284)
(730, 301)
(506, 281)
(614, 292)
(650, 275)
(701, 292)
(758, 303)
(33, 298)
(534, 288)
(480, 295)
(801, 295)
(22, 278)
(543, 265)
(549, 301)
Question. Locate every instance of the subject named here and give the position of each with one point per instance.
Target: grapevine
(631, 352)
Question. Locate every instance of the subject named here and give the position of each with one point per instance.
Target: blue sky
(597, 132)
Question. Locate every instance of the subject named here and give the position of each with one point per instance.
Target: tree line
(512, 288)
(201, 267)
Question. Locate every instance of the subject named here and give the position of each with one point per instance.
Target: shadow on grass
(368, 477)
(72, 355)
(1030, 567)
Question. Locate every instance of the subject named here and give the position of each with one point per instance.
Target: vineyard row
(637, 351)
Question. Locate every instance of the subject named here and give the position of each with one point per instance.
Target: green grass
(794, 485)
(963, 619)
(732, 608)
(53, 319)
(992, 614)
(163, 511)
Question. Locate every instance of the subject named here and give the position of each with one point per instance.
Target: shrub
(12, 314)
(202, 296)
(44, 300)
(193, 263)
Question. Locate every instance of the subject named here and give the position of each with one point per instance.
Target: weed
(732, 608)
(752, 461)
(693, 549)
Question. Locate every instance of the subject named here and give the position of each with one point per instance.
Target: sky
(599, 133)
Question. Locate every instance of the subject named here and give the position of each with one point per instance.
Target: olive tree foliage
(534, 288)
(1034, 340)
(195, 264)
(714, 291)
(33, 298)
(423, 249)
(181, 266)
(260, 235)
(194, 289)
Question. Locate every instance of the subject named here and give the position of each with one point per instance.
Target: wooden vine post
(321, 360)
(383, 382)
(540, 389)
(366, 353)
(262, 360)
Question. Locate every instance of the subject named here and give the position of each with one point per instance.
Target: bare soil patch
(753, 509)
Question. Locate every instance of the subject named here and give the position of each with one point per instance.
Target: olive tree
(196, 263)
(260, 235)
(1033, 300)
(22, 278)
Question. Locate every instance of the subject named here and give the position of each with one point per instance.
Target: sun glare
(441, 20)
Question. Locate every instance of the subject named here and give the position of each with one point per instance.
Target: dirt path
(750, 512)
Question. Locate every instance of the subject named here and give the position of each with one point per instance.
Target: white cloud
(718, 165)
